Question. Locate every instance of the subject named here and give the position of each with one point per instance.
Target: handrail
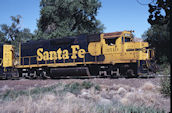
(1, 61)
(54, 61)
(46, 61)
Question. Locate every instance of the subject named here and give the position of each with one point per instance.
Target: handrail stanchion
(23, 60)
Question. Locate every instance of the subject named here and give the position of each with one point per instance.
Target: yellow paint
(40, 55)
(112, 46)
(74, 51)
(94, 48)
(69, 64)
(81, 53)
(53, 55)
(8, 55)
(46, 55)
(65, 54)
(118, 51)
(19, 53)
(60, 54)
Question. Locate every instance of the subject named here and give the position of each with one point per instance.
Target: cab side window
(111, 41)
(127, 39)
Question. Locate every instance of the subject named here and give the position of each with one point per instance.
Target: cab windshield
(128, 37)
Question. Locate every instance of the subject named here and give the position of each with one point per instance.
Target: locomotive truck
(113, 54)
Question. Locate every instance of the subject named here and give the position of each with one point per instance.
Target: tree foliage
(13, 33)
(158, 35)
(159, 38)
(159, 12)
(59, 18)
(2, 37)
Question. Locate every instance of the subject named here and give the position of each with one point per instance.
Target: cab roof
(114, 34)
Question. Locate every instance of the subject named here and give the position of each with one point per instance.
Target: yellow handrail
(73, 61)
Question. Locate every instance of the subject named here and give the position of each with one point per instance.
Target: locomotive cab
(120, 48)
(123, 47)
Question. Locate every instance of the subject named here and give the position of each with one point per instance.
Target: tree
(158, 35)
(11, 31)
(2, 37)
(61, 18)
(159, 12)
(14, 33)
(159, 38)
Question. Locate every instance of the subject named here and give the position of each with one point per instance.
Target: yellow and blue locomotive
(102, 55)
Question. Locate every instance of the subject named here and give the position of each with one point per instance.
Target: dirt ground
(25, 84)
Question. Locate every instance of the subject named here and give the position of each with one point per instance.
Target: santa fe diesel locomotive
(103, 55)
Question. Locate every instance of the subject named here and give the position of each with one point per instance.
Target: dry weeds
(108, 100)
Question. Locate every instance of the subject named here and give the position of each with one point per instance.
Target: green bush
(164, 69)
(163, 59)
(165, 86)
(12, 94)
(87, 84)
(97, 87)
(76, 87)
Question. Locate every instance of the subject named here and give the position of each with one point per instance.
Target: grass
(165, 80)
(87, 84)
(97, 87)
(76, 87)
(165, 86)
(53, 99)
(138, 109)
(164, 69)
(12, 94)
(126, 109)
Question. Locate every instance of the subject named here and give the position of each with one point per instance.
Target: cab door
(8, 55)
(112, 48)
